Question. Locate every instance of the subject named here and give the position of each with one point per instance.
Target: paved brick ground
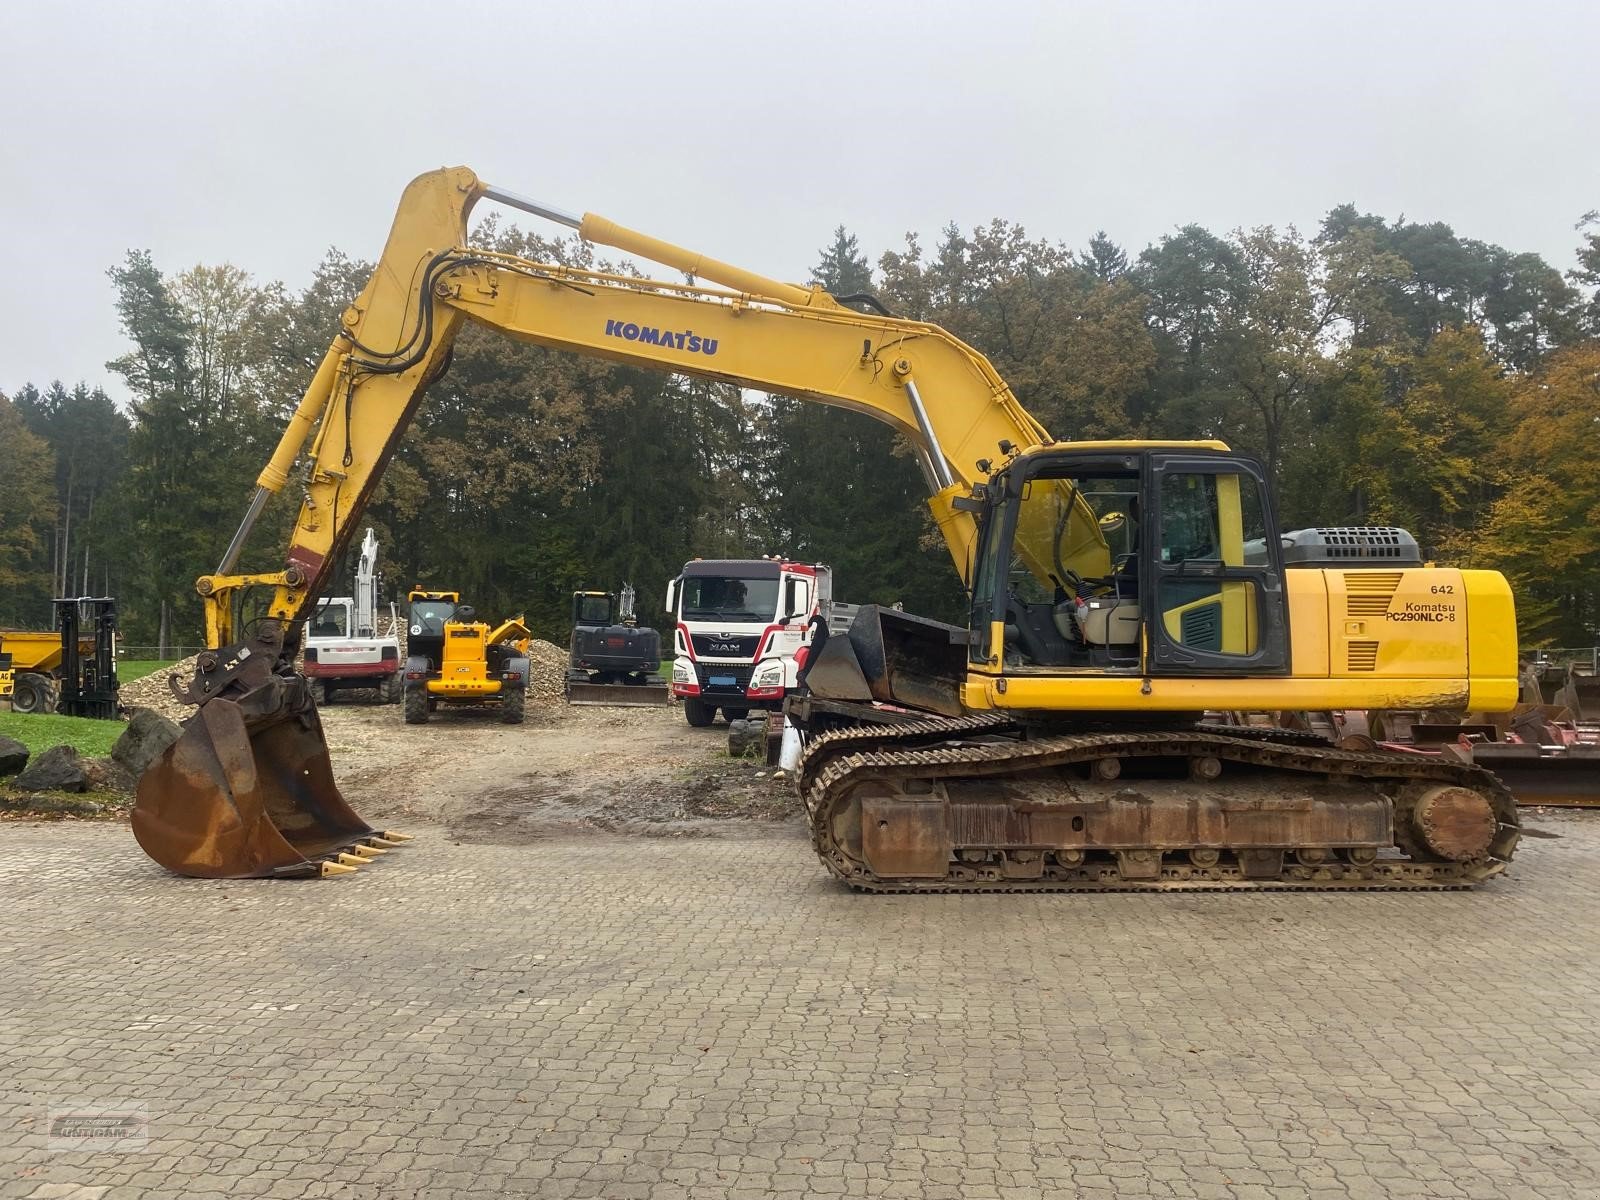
(614, 1018)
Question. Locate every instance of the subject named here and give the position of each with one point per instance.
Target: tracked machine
(612, 660)
(1118, 591)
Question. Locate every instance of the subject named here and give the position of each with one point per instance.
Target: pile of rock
(547, 671)
(153, 692)
(62, 770)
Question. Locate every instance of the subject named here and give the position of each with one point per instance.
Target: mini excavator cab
(592, 609)
(1114, 559)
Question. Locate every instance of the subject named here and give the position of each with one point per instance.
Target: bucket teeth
(350, 860)
(378, 842)
(367, 852)
(333, 868)
(390, 837)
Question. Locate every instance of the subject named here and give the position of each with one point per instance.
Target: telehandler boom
(1118, 589)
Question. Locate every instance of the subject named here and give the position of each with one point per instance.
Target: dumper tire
(513, 705)
(391, 689)
(32, 692)
(698, 713)
(417, 706)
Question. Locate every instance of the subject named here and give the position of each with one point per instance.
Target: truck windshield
(329, 621)
(722, 598)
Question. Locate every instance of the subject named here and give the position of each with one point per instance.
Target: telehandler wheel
(698, 713)
(417, 706)
(513, 706)
(391, 689)
(33, 693)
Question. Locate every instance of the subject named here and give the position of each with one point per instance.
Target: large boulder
(13, 755)
(108, 775)
(142, 742)
(58, 769)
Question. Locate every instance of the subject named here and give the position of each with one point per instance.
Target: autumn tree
(1544, 531)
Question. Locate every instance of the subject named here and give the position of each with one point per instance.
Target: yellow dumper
(453, 658)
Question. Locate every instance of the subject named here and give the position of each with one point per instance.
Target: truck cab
(737, 624)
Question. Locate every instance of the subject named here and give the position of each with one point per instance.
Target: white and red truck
(343, 648)
(737, 625)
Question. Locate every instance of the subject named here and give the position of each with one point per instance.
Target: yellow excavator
(1119, 590)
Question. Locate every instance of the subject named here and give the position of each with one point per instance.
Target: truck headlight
(680, 674)
(770, 675)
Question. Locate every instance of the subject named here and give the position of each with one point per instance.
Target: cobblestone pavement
(598, 1017)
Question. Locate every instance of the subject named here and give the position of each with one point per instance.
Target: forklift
(72, 671)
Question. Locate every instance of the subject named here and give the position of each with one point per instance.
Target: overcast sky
(261, 134)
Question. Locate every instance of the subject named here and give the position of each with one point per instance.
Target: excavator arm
(942, 395)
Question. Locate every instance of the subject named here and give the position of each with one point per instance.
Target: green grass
(38, 732)
(129, 669)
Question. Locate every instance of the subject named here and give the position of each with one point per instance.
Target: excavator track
(974, 804)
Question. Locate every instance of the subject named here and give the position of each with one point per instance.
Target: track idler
(248, 790)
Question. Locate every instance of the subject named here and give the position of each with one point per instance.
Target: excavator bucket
(1581, 693)
(908, 660)
(248, 792)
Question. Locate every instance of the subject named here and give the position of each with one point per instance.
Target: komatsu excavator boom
(1117, 588)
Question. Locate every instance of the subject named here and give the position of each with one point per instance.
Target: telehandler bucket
(248, 792)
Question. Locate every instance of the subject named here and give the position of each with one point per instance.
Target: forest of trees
(1386, 371)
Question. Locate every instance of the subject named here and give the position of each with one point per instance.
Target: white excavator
(343, 649)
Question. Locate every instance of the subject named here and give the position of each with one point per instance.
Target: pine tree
(1103, 258)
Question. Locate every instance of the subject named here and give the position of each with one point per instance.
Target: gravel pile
(547, 671)
(152, 691)
(548, 662)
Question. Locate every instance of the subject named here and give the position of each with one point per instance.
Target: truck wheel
(513, 705)
(319, 692)
(389, 691)
(33, 693)
(417, 706)
(698, 713)
(730, 715)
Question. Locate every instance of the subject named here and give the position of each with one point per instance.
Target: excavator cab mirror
(969, 504)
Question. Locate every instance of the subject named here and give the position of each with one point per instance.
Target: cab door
(1215, 561)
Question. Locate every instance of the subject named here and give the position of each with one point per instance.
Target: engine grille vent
(1362, 656)
(1367, 593)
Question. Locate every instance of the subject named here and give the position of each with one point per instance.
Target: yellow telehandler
(455, 659)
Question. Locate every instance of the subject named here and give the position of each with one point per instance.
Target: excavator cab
(1134, 562)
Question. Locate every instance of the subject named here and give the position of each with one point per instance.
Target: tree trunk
(161, 637)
